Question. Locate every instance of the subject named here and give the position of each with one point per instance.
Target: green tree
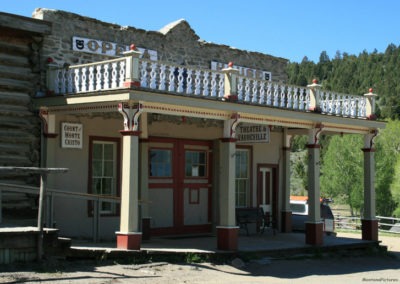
(342, 171)
(387, 159)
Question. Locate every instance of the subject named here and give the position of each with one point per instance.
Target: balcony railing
(225, 84)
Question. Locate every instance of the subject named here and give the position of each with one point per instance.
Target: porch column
(314, 225)
(369, 223)
(286, 214)
(227, 231)
(129, 235)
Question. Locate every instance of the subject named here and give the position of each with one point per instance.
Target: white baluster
(197, 81)
(261, 100)
(213, 84)
(240, 88)
(162, 77)
(77, 80)
(114, 75)
(322, 101)
(84, 80)
(353, 109)
(361, 107)
(98, 77)
(276, 96)
(282, 96)
(180, 80)
(302, 101)
(221, 85)
(122, 71)
(289, 97)
(205, 83)
(338, 104)
(143, 74)
(106, 76)
(70, 79)
(189, 81)
(62, 88)
(307, 99)
(247, 90)
(254, 98)
(153, 75)
(296, 98)
(269, 93)
(91, 78)
(171, 79)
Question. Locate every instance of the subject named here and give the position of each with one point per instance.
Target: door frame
(275, 186)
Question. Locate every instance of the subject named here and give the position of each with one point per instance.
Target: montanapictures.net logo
(382, 279)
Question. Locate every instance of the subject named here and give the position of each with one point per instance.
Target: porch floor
(279, 245)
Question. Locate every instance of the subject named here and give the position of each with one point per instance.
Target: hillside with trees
(342, 158)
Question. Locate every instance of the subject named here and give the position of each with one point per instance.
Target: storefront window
(160, 163)
(195, 164)
(242, 181)
(104, 173)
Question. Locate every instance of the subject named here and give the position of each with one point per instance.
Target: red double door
(180, 192)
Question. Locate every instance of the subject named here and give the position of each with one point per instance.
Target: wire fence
(385, 224)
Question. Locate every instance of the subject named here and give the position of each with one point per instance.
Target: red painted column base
(227, 238)
(129, 241)
(369, 230)
(130, 84)
(314, 233)
(286, 225)
(231, 97)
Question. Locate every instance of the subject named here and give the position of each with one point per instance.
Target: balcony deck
(131, 72)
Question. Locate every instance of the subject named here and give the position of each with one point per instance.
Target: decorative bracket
(49, 125)
(315, 133)
(230, 126)
(369, 139)
(131, 115)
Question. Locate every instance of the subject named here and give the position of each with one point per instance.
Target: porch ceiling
(192, 106)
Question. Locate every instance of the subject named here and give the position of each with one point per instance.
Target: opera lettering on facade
(253, 133)
(71, 135)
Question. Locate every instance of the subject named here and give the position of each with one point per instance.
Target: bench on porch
(254, 215)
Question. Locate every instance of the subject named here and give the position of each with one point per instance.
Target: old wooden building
(166, 134)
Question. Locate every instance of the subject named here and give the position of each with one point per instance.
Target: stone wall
(176, 42)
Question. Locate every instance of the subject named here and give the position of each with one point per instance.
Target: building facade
(171, 137)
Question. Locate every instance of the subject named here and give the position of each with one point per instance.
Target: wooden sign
(71, 135)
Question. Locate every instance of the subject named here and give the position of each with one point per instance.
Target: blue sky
(283, 28)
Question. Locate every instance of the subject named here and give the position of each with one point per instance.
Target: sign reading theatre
(252, 133)
(71, 135)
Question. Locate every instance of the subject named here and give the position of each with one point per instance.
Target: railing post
(51, 76)
(132, 68)
(43, 184)
(314, 96)
(230, 86)
(96, 215)
(370, 105)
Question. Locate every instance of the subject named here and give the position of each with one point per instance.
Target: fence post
(96, 213)
(314, 96)
(132, 67)
(370, 105)
(230, 82)
(42, 193)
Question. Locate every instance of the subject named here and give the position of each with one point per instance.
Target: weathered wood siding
(20, 77)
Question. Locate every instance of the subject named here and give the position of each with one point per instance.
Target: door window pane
(160, 163)
(195, 164)
(242, 181)
(104, 173)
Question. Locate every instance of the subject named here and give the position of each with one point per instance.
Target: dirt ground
(373, 268)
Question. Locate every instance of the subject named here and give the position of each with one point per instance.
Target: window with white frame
(242, 180)
(104, 172)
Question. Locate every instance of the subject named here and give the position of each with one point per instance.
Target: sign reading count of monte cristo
(252, 133)
(71, 135)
